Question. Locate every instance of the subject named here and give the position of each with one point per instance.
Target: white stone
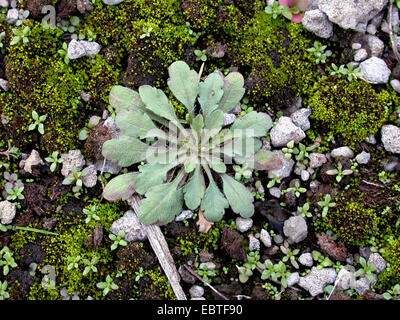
(265, 238)
(295, 228)
(7, 211)
(344, 152)
(317, 280)
(300, 118)
(293, 279)
(375, 70)
(33, 160)
(345, 279)
(363, 157)
(73, 158)
(196, 291)
(112, 2)
(377, 260)
(391, 138)
(360, 55)
(254, 244)
(275, 192)
(81, 48)
(133, 228)
(285, 170)
(244, 224)
(304, 175)
(306, 259)
(4, 3)
(285, 131)
(12, 16)
(4, 84)
(229, 118)
(90, 179)
(184, 215)
(317, 160)
(356, 46)
(317, 22)
(395, 85)
(375, 45)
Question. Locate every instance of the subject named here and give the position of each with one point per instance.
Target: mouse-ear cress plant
(185, 161)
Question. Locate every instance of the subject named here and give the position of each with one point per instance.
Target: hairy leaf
(239, 197)
(194, 189)
(157, 102)
(214, 203)
(215, 120)
(198, 124)
(120, 187)
(124, 98)
(125, 150)
(134, 123)
(255, 124)
(151, 175)
(184, 84)
(162, 203)
(210, 93)
(233, 91)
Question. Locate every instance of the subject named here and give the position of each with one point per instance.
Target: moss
(352, 109)
(391, 254)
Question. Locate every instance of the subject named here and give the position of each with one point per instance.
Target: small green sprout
(290, 255)
(38, 122)
(304, 210)
(118, 240)
(205, 273)
(76, 178)
(351, 72)
(276, 9)
(366, 269)
(242, 172)
(7, 260)
(107, 286)
(393, 294)
(63, 52)
(91, 214)
(339, 172)
(15, 193)
(2, 36)
(323, 262)
(201, 55)
(297, 189)
(20, 35)
(73, 262)
(54, 160)
(319, 52)
(3, 290)
(90, 265)
(326, 204)
(146, 32)
(272, 182)
(139, 274)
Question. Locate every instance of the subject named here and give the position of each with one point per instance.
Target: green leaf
(15, 40)
(162, 203)
(198, 124)
(214, 203)
(233, 91)
(151, 175)
(210, 93)
(32, 126)
(124, 98)
(194, 189)
(125, 150)
(157, 102)
(120, 187)
(134, 123)
(255, 124)
(215, 120)
(239, 197)
(184, 84)
(35, 115)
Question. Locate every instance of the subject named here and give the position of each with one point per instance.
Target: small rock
(356, 46)
(112, 2)
(285, 131)
(184, 215)
(208, 265)
(94, 120)
(133, 228)
(345, 279)
(375, 70)
(33, 160)
(293, 279)
(196, 291)
(372, 29)
(244, 224)
(4, 3)
(4, 84)
(7, 211)
(370, 139)
(186, 275)
(317, 280)
(317, 22)
(377, 260)
(285, 170)
(84, 6)
(363, 284)
(376, 46)
(314, 185)
(90, 179)
(73, 158)
(344, 152)
(295, 228)
(91, 47)
(12, 16)
(275, 192)
(86, 97)
(265, 238)
(391, 138)
(395, 85)
(306, 259)
(111, 124)
(81, 48)
(278, 239)
(229, 118)
(360, 55)
(317, 160)
(254, 244)
(300, 118)
(363, 157)
(304, 175)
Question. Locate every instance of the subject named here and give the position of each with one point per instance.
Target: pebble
(229, 118)
(12, 16)
(90, 179)
(33, 160)
(300, 118)
(391, 138)
(184, 215)
(265, 238)
(244, 224)
(306, 259)
(317, 280)
(377, 260)
(7, 211)
(275, 192)
(317, 160)
(295, 228)
(254, 244)
(344, 152)
(196, 292)
(360, 55)
(129, 222)
(394, 83)
(293, 279)
(4, 84)
(285, 131)
(208, 265)
(363, 157)
(375, 70)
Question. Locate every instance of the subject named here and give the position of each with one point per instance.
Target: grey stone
(293, 279)
(275, 192)
(375, 70)
(33, 160)
(300, 118)
(73, 158)
(4, 84)
(265, 238)
(305, 175)
(360, 55)
(112, 2)
(295, 228)
(208, 265)
(306, 259)
(345, 279)
(370, 139)
(90, 179)
(81, 48)
(317, 280)
(285, 131)
(254, 244)
(244, 224)
(12, 16)
(372, 29)
(285, 170)
(317, 159)
(229, 118)
(86, 97)
(7, 211)
(395, 85)
(196, 291)
(91, 47)
(4, 3)
(363, 157)
(94, 121)
(377, 260)
(391, 138)
(350, 14)
(344, 152)
(375, 45)
(278, 239)
(84, 6)
(363, 284)
(317, 22)
(133, 228)
(184, 215)
(356, 46)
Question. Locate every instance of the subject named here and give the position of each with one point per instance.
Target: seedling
(54, 160)
(91, 214)
(76, 178)
(326, 204)
(367, 269)
(276, 10)
(201, 55)
(15, 193)
(6, 260)
(73, 262)
(90, 265)
(339, 172)
(139, 274)
(351, 72)
(393, 294)
(290, 255)
(323, 261)
(242, 172)
(38, 122)
(298, 190)
(146, 32)
(205, 273)
(107, 286)
(319, 52)
(272, 182)
(304, 210)
(20, 35)
(3, 290)
(63, 52)
(118, 240)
